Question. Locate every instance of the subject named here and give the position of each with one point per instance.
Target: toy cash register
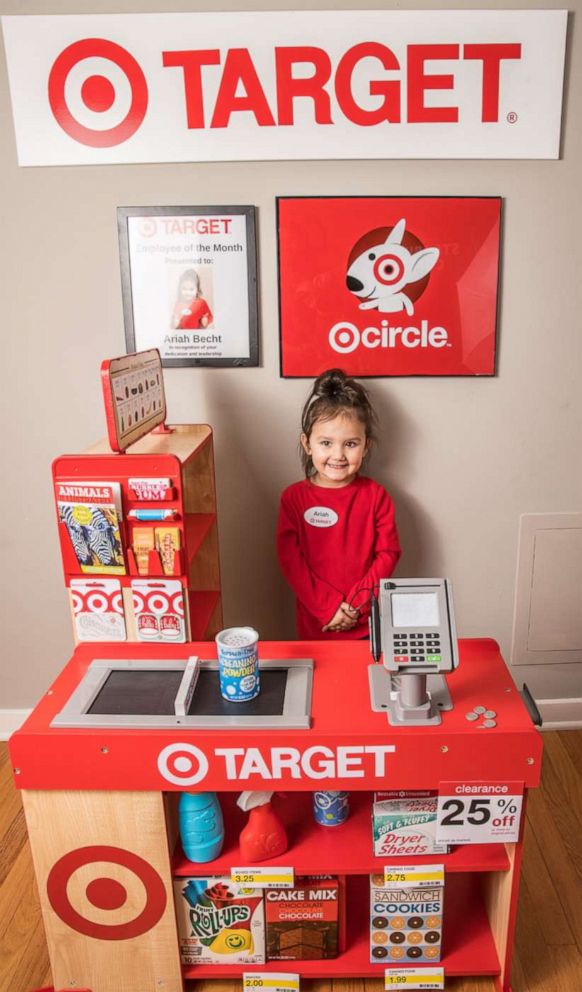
(412, 624)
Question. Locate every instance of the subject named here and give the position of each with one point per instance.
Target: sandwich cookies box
(302, 922)
(406, 918)
(404, 824)
(219, 922)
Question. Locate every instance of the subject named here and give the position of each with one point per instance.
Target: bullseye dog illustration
(380, 272)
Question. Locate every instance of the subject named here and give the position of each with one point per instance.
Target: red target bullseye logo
(97, 93)
(106, 893)
(182, 764)
(388, 269)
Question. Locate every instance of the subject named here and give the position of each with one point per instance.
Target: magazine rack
(183, 454)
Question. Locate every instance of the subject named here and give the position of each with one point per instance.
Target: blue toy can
(238, 664)
(331, 808)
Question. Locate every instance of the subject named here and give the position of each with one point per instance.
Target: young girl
(191, 311)
(336, 533)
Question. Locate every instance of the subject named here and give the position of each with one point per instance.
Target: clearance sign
(387, 286)
(286, 85)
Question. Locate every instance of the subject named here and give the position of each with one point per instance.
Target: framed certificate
(189, 283)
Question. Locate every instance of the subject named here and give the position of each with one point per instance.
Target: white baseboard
(561, 714)
(11, 720)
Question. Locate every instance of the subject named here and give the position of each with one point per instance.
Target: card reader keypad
(417, 648)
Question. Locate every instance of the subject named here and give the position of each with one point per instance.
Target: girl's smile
(337, 448)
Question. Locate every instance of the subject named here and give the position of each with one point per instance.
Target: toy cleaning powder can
(238, 664)
(331, 808)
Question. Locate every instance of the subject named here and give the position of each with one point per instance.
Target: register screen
(417, 609)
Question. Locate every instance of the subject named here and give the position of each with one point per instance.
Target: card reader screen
(416, 609)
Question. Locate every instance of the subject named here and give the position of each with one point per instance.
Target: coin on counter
(471, 716)
(490, 714)
(489, 723)
(479, 710)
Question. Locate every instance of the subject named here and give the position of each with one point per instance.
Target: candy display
(149, 489)
(405, 922)
(404, 824)
(168, 544)
(302, 922)
(143, 543)
(219, 922)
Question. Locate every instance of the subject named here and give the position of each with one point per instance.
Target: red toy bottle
(264, 835)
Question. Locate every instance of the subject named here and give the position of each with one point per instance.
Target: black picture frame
(184, 217)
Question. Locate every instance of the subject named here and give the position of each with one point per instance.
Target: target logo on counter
(97, 93)
(106, 892)
(182, 764)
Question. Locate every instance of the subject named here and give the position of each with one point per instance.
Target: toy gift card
(158, 605)
(98, 609)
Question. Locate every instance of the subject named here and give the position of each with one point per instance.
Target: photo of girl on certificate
(191, 310)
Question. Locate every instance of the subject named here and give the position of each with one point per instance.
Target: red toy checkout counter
(101, 811)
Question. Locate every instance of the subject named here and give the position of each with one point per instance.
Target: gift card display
(158, 605)
(98, 609)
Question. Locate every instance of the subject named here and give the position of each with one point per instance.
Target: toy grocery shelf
(345, 850)
(468, 945)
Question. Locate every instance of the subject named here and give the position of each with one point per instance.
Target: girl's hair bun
(330, 384)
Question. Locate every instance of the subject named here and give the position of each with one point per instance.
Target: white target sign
(330, 84)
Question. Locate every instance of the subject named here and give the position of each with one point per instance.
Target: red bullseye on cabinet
(106, 893)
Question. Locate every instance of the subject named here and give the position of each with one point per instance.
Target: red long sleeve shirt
(334, 545)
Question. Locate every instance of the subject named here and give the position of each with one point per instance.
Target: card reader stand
(390, 694)
(412, 625)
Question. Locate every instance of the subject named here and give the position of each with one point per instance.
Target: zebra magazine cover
(91, 512)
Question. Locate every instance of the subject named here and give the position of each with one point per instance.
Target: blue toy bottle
(201, 826)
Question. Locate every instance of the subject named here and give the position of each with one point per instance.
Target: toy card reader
(412, 625)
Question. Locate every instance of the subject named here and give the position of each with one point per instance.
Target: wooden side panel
(198, 481)
(501, 891)
(103, 872)
(205, 568)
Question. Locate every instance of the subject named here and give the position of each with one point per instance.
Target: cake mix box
(302, 922)
(219, 922)
(405, 921)
(404, 824)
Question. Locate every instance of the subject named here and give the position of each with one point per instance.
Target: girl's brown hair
(333, 393)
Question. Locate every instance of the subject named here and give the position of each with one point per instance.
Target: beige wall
(463, 458)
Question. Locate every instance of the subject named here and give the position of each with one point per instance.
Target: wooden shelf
(468, 945)
(345, 850)
(196, 527)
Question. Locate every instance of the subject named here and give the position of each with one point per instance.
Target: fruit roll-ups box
(219, 922)
(406, 921)
(302, 922)
(404, 824)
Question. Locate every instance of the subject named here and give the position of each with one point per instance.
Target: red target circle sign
(97, 92)
(106, 893)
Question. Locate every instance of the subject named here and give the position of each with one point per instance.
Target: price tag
(262, 878)
(421, 876)
(479, 812)
(428, 977)
(275, 981)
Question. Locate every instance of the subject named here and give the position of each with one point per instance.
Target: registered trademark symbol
(512, 117)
